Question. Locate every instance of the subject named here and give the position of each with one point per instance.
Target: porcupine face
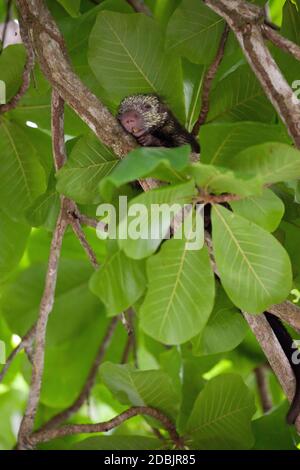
(140, 114)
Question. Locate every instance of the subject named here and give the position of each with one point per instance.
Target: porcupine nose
(130, 121)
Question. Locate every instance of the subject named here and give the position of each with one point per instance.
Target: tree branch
(275, 355)
(281, 42)
(246, 22)
(58, 147)
(49, 46)
(46, 305)
(47, 435)
(27, 340)
(89, 383)
(208, 81)
(76, 226)
(263, 388)
(140, 7)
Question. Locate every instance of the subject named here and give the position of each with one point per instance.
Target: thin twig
(47, 301)
(139, 6)
(46, 305)
(75, 224)
(57, 128)
(29, 65)
(71, 429)
(281, 42)
(263, 388)
(88, 385)
(208, 81)
(26, 341)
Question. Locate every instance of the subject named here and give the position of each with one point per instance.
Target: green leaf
(115, 51)
(163, 163)
(68, 351)
(71, 6)
(193, 76)
(180, 293)
(21, 175)
(220, 142)
(119, 282)
(271, 431)
(194, 32)
(141, 387)
(12, 61)
(89, 162)
(45, 209)
(239, 97)
(221, 417)
(13, 239)
(266, 210)
(272, 161)
(255, 269)
(150, 226)
(119, 443)
(218, 180)
(225, 329)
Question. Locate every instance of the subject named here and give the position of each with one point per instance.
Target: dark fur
(286, 342)
(160, 127)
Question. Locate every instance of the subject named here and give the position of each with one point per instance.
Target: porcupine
(152, 123)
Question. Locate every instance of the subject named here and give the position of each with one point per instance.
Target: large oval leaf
(265, 210)
(13, 238)
(221, 417)
(180, 293)
(119, 282)
(142, 231)
(225, 329)
(126, 53)
(255, 269)
(141, 387)
(194, 31)
(272, 161)
(220, 142)
(21, 174)
(239, 97)
(89, 162)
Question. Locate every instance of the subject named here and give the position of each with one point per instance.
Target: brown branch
(89, 383)
(29, 65)
(46, 305)
(207, 198)
(25, 342)
(208, 81)
(246, 22)
(75, 224)
(58, 147)
(140, 7)
(57, 129)
(281, 42)
(275, 355)
(70, 429)
(263, 388)
(50, 50)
